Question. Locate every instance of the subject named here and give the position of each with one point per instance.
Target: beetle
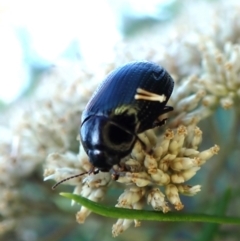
(128, 102)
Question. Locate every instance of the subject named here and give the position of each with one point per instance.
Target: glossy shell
(119, 88)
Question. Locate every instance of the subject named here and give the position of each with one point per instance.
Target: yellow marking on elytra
(146, 95)
(128, 109)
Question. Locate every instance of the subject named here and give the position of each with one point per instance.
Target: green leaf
(114, 212)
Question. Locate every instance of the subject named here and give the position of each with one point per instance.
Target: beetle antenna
(92, 170)
(68, 178)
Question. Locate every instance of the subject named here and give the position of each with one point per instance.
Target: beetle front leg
(162, 122)
(166, 109)
(158, 123)
(120, 172)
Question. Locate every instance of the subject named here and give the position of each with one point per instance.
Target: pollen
(150, 96)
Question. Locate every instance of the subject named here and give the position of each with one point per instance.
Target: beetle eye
(118, 136)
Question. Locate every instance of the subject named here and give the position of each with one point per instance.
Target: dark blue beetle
(128, 102)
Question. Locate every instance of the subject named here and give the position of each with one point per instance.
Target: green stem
(113, 212)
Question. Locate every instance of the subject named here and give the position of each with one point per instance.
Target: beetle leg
(115, 174)
(166, 109)
(163, 121)
(159, 123)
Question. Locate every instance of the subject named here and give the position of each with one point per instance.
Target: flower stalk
(123, 213)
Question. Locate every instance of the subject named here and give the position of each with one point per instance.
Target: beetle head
(105, 141)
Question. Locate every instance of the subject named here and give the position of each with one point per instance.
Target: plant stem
(149, 215)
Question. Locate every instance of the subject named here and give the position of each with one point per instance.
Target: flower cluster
(169, 161)
(223, 69)
(47, 124)
(173, 160)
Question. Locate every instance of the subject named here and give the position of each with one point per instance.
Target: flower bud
(209, 101)
(157, 199)
(188, 190)
(190, 102)
(159, 177)
(226, 102)
(164, 163)
(173, 196)
(197, 138)
(207, 154)
(183, 163)
(82, 214)
(166, 141)
(137, 152)
(150, 162)
(188, 152)
(120, 226)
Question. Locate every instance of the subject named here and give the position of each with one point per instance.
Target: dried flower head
(157, 177)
